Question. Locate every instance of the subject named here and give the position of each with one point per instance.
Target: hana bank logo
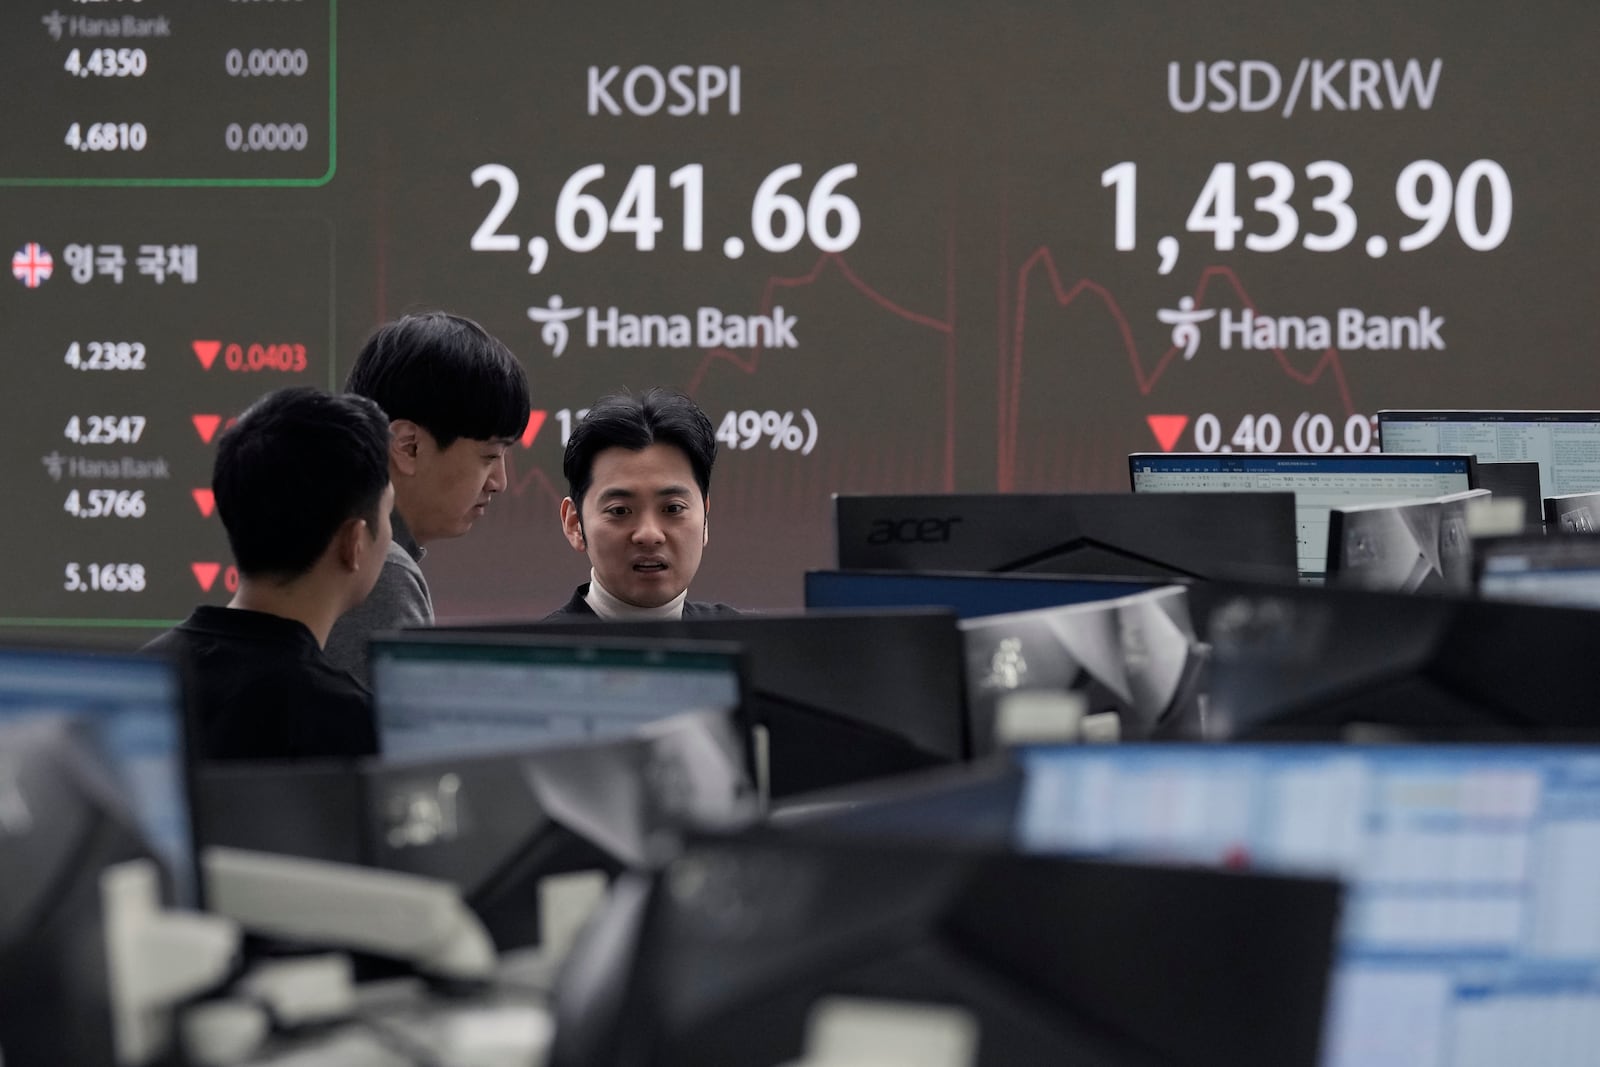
(1346, 329)
(554, 318)
(702, 327)
(1185, 323)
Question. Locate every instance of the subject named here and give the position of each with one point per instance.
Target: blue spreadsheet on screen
(1471, 935)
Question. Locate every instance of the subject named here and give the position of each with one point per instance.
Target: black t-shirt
(263, 690)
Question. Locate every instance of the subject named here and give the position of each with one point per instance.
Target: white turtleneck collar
(609, 607)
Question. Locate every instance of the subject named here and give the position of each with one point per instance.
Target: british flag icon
(31, 265)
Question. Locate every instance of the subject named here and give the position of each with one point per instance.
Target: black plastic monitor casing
(1135, 657)
(718, 960)
(1517, 481)
(1569, 513)
(1248, 536)
(1316, 663)
(1419, 546)
(494, 825)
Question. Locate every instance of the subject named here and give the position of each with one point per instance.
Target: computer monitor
(128, 712)
(1515, 481)
(437, 693)
(1317, 482)
(1419, 546)
(495, 825)
(841, 697)
(1565, 444)
(1318, 663)
(968, 595)
(498, 825)
(1577, 513)
(1470, 933)
(91, 776)
(1226, 535)
(1136, 657)
(1560, 571)
(740, 951)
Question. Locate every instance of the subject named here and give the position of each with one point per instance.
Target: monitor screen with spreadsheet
(1471, 935)
(1318, 483)
(1565, 444)
(442, 693)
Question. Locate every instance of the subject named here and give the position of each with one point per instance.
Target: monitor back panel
(1250, 537)
(1517, 481)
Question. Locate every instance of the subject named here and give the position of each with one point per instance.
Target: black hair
(445, 373)
(291, 470)
(659, 416)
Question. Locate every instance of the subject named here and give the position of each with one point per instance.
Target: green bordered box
(123, 100)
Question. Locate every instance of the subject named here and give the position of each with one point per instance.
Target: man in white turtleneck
(639, 473)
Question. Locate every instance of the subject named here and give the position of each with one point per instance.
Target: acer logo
(911, 531)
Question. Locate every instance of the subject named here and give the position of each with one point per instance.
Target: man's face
(643, 523)
(452, 486)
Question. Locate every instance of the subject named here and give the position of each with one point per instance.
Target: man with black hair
(302, 487)
(456, 399)
(638, 469)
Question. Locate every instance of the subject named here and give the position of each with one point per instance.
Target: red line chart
(534, 480)
(750, 360)
(1011, 372)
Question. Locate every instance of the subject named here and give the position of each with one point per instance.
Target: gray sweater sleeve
(399, 599)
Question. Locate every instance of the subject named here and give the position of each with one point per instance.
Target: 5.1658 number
(104, 578)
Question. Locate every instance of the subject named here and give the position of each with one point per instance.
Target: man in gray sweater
(456, 400)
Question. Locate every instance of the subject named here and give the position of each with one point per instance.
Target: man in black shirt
(302, 488)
